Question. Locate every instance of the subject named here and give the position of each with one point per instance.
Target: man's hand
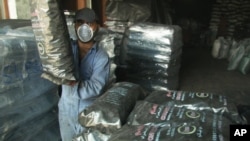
(72, 83)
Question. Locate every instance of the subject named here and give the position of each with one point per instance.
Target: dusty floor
(200, 72)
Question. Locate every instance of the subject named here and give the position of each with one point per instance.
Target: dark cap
(86, 14)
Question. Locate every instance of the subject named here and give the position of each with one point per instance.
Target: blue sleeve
(99, 79)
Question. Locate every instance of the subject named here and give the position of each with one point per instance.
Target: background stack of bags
(237, 53)
(127, 112)
(123, 13)
(228, 16)
(152, 55)
(230, 24)
(28, 104)
(120, 14)
(111, 42)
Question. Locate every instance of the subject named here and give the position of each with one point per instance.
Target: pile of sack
(152, 55)
(28, 102)
(127, 112)
(236, 52)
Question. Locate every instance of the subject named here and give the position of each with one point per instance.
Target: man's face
(85, 30)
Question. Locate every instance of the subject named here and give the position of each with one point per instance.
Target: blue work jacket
(93, 72)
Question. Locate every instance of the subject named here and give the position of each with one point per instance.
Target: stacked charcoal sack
(227, 17)
(53, 41)
(239, 56)
(236, 52)
(230, 24)
(110, 111)
(122, 13)
(110, 41)
(69, 17)
(221, 48)
(152, 55)
(162, 11)
(28, 104)
(180, 115)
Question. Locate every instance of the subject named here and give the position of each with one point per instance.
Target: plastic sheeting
(157, 57)
(148, 37)
(53, 41)
(46, 121)
(8, 24)
(151, 53)
(19, 60)
(35, 119)
(128, 10)
(157, 33)
(28, 102)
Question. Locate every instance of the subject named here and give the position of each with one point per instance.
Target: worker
(93, 67)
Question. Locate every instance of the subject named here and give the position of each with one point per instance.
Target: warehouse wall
(14, 9)
(1, 10)
(24, 7)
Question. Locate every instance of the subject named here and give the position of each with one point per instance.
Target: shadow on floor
(200, 72)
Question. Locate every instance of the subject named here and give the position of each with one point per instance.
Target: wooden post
(80, 4)
(6, 9)
(103, 12)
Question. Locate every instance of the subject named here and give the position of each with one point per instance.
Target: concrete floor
(200, 72)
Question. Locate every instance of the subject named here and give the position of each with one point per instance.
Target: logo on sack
(41, 48)
(193, 114)
(187, 129)
(202, 95)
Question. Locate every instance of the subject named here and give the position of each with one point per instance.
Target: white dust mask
(85, 33)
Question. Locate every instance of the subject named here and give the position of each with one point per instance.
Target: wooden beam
(80, 4)
(6, 9)
(104, 18)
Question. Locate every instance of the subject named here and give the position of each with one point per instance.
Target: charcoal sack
(146, 113)
(197, 101)
(186, 131)
(110, 111)
(53, 41)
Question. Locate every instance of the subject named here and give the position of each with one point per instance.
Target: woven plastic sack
(147, 112)
(244, 65)
(217, 129)
(196, 100)
(110, 111)
(53, 41)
